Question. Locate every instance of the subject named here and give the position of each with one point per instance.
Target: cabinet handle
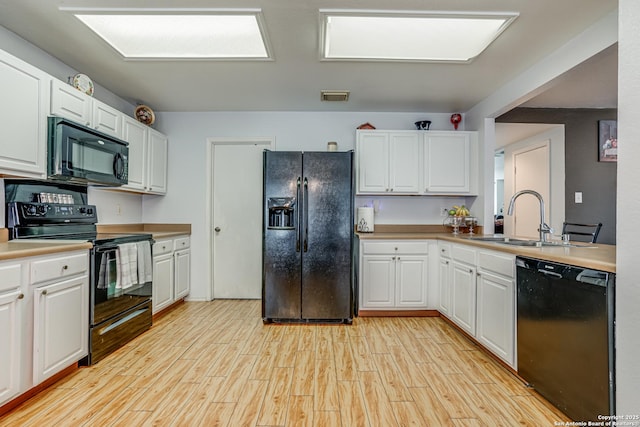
(398, 258)
(470, 271)
(393, 258)
(21, 296)
(44, 292)
(391, 189)
(65, 267)
(446, 262)
(478, 274)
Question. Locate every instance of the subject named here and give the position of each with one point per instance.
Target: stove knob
(31, 210)
(82, 210)
(89, 211)
(42, 209)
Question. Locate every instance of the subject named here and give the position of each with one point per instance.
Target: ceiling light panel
(179, 34)
(409, 36)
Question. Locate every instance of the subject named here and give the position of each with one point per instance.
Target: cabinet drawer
(497, 263)
(181, 243)
(463, 254)
(404, 247)
(10, 276)
(444, 249)
(58, 267)
(162, 247)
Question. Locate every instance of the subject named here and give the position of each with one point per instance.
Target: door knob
(217, 229)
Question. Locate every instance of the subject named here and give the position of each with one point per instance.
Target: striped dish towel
(127, 265)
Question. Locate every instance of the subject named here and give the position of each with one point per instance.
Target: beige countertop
(596, 256)
(158, 231)
(26, 248)
(12, 249)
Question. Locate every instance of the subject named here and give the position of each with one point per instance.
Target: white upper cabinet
(157, 166)
(388, 162)
(447, 162)
(373, 162)
(72, 104)
(23, 108)
(136, 134)
(416, 162)
(147, 158)
(107, 119)
(404, 157)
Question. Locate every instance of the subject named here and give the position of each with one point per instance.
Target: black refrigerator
(307, 237)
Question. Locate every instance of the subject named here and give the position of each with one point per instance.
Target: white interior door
(237, 218)
(531, 172)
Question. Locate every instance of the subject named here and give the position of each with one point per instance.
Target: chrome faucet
(544, 229)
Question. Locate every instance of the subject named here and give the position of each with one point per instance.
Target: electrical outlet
(444, 212)
(118, 209)
(578, 196)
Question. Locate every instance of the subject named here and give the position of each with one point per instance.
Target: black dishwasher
(565, 336)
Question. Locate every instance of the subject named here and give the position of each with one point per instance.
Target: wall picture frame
(607, 140)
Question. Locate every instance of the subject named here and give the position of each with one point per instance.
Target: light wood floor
(216, 364)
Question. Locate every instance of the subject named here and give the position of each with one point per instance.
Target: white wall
(185, 201)
(628, 212)
(116, 207)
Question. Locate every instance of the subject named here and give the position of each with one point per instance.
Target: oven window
(109, 297)
(86, 157)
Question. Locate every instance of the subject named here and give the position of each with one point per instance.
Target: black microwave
(77, 153)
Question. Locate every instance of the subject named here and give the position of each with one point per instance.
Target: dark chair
(585, 232)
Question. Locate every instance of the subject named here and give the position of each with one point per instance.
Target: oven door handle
(102, 249)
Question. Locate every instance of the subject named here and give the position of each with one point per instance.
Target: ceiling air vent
(334, 95)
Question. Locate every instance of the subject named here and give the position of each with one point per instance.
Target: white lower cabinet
(496, 304)
(394, 275)
(477, 292)
(12, 302)
(44, 318)
(60, 339)
(171, 271)
(463, 288)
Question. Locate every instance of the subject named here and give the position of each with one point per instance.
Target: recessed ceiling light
(179, 33)
(409, 36)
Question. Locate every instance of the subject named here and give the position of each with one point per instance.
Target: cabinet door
(135, 133)
(157, 166)
(444, 283)
(10, 333)
(163, 280)
(404, 156)
(61, 326)
(373, 162)
(463, 296)
(411, 281)
(496, 314)
(446, 162)
(377, 285)
(182, 273)
(70, 103)
(106, 119)
(24, 109)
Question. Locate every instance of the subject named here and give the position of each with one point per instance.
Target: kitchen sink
(530, 243)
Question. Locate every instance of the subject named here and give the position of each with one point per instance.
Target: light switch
(578, 196)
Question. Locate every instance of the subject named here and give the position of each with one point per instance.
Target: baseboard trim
(168, 309)
(398, 313)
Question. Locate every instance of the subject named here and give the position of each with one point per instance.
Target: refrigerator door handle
(298, 232)
(306, 214)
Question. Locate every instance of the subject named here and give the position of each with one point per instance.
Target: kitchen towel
(365, 220)
(127, 265)
(145, 267)
(103, 282)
